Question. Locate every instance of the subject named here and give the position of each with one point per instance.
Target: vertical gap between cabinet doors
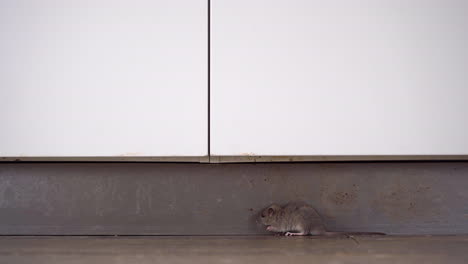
(209, 76)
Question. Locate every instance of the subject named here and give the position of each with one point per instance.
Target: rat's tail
(354, 234)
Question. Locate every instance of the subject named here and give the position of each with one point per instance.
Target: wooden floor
(234, 249)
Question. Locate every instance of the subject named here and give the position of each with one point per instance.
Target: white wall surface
(103, 78)
(339, 77)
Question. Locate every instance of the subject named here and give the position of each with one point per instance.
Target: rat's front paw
(270, 228)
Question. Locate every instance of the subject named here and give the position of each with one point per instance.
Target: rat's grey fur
(297, 218)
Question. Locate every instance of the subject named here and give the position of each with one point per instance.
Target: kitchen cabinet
(103, 78)
(339, 78)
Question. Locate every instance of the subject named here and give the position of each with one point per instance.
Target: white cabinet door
(82, 78)
(339, 77)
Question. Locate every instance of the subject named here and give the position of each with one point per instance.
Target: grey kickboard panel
(224, 199)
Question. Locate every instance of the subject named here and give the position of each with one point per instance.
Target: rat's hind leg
(295, 234)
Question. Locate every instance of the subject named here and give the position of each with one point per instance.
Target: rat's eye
(263, 216)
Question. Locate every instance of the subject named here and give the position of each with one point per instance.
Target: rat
(299, 219)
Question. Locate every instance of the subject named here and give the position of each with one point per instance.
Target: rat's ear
(271, 211)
